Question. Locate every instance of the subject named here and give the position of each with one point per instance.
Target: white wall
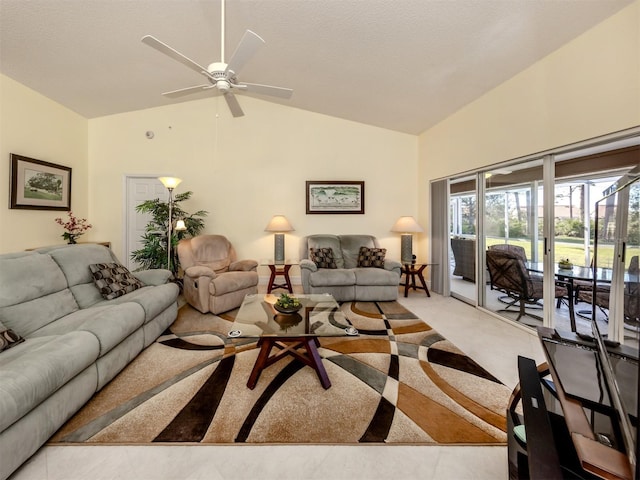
(34, 126)
(245, 170)
(587, 88)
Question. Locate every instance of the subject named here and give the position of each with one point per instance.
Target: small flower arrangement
(74, 227)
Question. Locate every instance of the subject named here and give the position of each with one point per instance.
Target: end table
(411, 270)
(279, 269)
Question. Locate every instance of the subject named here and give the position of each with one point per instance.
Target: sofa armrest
(199, 271)
(243, 266)
(158, 276)
(393, 265)
(308, 265)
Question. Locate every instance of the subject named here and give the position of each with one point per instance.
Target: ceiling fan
(222, 76)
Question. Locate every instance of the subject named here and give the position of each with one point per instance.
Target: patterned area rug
(398, 382)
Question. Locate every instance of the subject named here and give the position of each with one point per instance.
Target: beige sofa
(75, 341)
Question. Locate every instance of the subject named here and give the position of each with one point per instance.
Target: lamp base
(406, 248)
(279, 247)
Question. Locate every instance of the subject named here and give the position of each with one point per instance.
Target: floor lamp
(279, 224)
(170, 183)
(407, 226)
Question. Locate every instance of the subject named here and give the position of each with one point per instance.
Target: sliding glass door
(462, 238)
(511, 242)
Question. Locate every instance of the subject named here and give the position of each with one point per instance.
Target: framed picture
(335, 197)
(39, 185)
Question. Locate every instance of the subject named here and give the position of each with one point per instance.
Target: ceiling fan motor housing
(222, 81)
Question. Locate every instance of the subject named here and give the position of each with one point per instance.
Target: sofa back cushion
(351, 247)
(33, 292)
(74, 261)
(325, 241)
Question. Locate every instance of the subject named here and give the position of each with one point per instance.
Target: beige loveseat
(346, 280)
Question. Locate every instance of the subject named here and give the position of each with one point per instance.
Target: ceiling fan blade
(234, 106)
(167, 50)
(187, 91)
(246, 48)
(267, 90)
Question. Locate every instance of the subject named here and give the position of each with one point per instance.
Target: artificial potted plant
(153, 254)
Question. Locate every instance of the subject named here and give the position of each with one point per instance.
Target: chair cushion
(232, 282)
(322, 257)
(371, 257)
(113, 280)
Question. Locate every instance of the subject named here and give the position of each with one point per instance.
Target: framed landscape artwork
(335, 197)
(39, 185)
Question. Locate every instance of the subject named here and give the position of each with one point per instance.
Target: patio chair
(508, 274)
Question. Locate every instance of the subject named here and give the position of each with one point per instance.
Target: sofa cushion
(153, 300)
(322, 257)
(8, 338)
(113, 280)
(110, 323)
(371, 257)
(375, 276)
(329, 277)
(33, 292)
(25, 318)
(74, 259)
(351, 244)
(33, 370)
(327, 241)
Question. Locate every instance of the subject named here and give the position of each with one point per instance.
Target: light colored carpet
(398, 382)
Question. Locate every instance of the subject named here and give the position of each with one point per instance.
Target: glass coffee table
(294, 334)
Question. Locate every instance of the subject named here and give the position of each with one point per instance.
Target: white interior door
(138, 190)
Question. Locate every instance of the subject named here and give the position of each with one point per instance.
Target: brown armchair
(214, 281)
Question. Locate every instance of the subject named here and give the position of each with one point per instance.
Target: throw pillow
(371, 257)
(8, 338)
(322, 257)
(113, 280)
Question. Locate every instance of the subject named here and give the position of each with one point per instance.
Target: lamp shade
(406, 225)
(180, 226)
(170, 182)
(279, 223)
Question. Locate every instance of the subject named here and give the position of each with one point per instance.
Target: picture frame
(39, 185)
(335, 197)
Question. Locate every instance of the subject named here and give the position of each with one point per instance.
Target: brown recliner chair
(214, 281)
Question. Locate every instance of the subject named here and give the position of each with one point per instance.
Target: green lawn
(564, 249)
(40, 195)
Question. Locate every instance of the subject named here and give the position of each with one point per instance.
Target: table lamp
(279, 224)
(170, 183)
(407, 226)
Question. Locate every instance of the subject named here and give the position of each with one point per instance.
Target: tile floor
(493, 343)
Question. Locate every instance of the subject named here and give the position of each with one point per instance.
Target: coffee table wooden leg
(316, 361)
(265, 345)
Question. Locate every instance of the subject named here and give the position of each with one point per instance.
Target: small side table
(279, 270)
(411, 270)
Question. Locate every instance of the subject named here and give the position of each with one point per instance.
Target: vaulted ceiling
(403, 65)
